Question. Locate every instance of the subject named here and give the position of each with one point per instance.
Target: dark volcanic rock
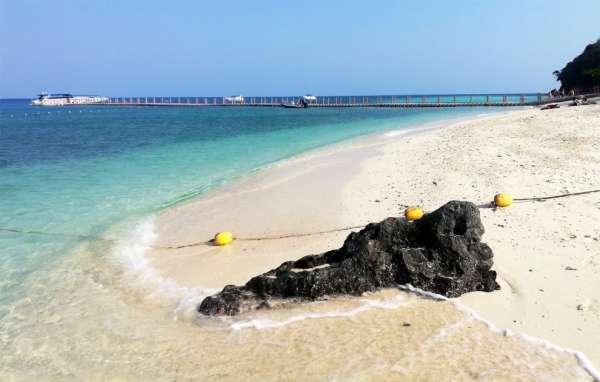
(441, 253)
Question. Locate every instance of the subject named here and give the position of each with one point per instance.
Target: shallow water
(77, 186)
(71, 172)
(95, 327)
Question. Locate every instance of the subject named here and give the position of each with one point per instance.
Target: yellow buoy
(223, 238)
(413, 213)
(503, 200)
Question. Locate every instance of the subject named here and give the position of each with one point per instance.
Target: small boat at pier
(234, 99)
(302, 102)
(293, 105)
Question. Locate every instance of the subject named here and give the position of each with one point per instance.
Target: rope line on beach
(300, 234)
(261, 238)
(98, 238)
(555, 196)
(42, 233)
(258, 238)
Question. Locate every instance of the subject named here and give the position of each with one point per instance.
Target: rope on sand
(300, 234)
(259, 238)
(555, 196)
(361, 226)
(59, 234)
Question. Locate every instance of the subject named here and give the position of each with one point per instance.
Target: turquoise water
(67, 174)
(71, 310)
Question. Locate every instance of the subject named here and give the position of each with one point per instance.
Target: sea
(75, 183)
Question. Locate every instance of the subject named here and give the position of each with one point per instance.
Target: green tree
(583, 72)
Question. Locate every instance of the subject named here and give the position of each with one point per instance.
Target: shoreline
(342, 144)
(531, 153)
(353, 184)
(330, 167)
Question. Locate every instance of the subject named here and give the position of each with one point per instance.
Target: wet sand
(546, 253)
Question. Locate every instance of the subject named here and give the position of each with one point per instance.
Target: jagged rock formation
(441, 253)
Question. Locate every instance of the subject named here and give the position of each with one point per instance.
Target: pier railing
(347, 101)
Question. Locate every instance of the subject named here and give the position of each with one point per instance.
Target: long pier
(344, 101)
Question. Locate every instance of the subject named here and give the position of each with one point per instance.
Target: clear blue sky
(288, 47)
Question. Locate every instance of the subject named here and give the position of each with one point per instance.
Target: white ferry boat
(234, 99)
(45, 99)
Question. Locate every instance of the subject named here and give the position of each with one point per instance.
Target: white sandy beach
(528, 153)
(547, 254)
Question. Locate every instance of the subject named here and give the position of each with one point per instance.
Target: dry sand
(547, 254)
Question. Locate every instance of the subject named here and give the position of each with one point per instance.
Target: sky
(277, 47)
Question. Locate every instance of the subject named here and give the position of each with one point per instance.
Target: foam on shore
(130, 254)
(582, 359)
(365, 304)
(398, 301)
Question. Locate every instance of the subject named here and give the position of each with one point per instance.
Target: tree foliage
(583, 72)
